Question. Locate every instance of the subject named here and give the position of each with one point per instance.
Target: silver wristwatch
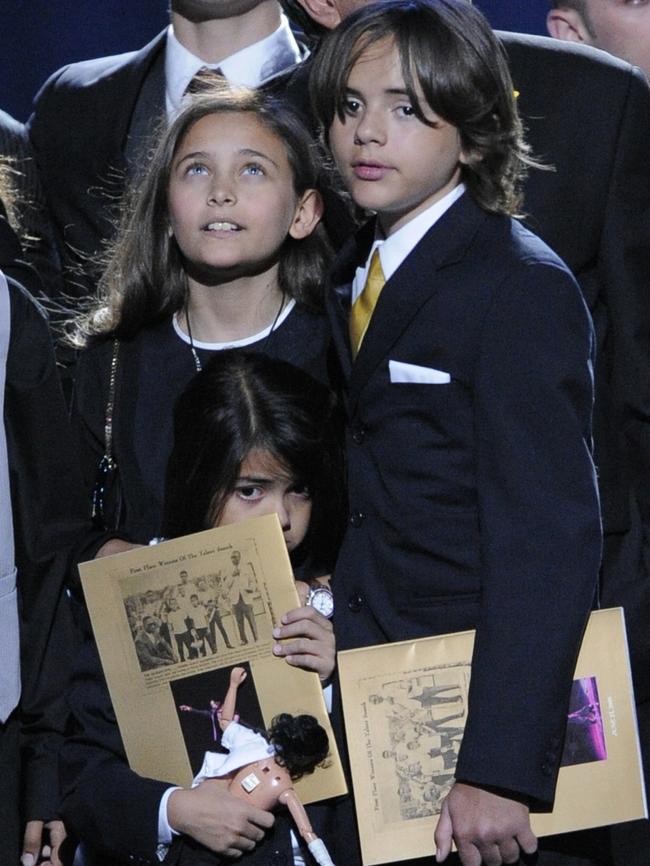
(321, 599)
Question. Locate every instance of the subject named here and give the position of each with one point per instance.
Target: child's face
(263, 487)
(391, 162)
(231, 198)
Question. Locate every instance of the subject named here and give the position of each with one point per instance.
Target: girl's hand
(309, 642)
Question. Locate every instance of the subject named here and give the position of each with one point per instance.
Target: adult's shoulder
(11, 127)
(88, 75)
(562, 68)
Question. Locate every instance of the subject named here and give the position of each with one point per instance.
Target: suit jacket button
(355, 602)
(278, 858)
(547, 770)
(358, 435)
(357, 518)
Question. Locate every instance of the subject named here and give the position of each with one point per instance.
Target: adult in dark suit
(49, 515)
(93, 121)
(587, 117)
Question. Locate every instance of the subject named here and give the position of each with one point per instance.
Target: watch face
(323, 601)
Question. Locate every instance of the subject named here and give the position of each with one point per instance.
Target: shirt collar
(250, 66)
(394, 249)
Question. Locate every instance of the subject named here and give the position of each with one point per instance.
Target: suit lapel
(147, 115)
(417, 280)
(352, 256)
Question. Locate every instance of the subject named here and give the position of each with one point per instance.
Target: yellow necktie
(363, 307)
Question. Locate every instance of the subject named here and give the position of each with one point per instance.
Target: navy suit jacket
(587, 117)
(473, 504)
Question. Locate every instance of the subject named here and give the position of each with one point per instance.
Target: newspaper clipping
(172, 620)
(405, 706)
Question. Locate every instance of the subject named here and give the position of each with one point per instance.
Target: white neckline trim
(233, 344)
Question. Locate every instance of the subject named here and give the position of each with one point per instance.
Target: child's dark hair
(450, 56)
(301, 743)
(240, 402)
(144, 279)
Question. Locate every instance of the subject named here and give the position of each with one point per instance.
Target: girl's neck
(232, 311)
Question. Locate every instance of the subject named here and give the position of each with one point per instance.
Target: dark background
(38, 37)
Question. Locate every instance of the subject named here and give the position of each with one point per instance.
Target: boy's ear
(308, 214)
(323, 12)
(568, 24)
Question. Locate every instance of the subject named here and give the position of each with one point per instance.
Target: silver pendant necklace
(263, 347)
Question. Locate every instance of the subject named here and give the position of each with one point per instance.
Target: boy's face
(391, 162)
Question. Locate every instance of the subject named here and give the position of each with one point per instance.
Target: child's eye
(301, 490)
(351, 106)
(196, 168)
(250, 492)
(254, 169)
(406, 110)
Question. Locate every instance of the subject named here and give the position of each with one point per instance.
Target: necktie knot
(204, 80)
(363, 307)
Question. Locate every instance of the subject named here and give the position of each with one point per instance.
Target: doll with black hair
(261, 767)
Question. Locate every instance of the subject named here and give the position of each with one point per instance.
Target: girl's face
(263, 487)
(231, 198)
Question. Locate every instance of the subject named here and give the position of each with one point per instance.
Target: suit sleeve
(104, 802)
(625, 263)
(48, 518)
(539, 525)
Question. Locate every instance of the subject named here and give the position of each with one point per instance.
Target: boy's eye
(406, 110)
(351, 106)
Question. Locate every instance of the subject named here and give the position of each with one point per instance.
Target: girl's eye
(254, 169)
(301, 490)
(249, 492)
(196, 168)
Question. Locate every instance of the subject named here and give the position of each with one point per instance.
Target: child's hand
(309, 640)
(223, 823)
(486, 827)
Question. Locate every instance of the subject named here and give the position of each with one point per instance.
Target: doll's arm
(227, 710)
(316, 846)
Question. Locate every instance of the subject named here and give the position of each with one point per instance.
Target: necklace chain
(195, 355)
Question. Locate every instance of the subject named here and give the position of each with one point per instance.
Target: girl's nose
(284, 515)
(222, 193)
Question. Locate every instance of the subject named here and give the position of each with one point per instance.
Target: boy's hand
(223, 823)
(41, 843)
(309, 640)
(486, 827)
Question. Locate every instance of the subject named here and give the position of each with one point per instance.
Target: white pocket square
(401, 372)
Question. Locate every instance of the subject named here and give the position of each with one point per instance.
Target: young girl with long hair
(221, 248)
(252, 435)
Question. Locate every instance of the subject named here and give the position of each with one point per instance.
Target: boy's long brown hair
(449, 55)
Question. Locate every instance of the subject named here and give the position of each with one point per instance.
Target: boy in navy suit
(467, 354)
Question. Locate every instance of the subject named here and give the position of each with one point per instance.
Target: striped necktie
(205, 80)
(363, 307)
